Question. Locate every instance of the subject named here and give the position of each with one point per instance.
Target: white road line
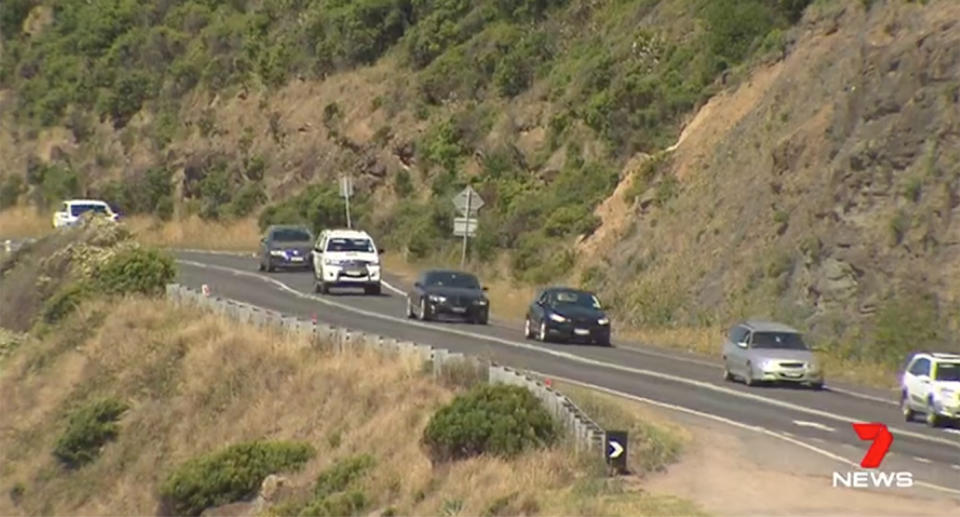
(955, 467)
(762, 430)
(815, 425)
(569, 356)
(862, 396)
(922, 460)
(953, 431)
(635, 349)
(820, 440)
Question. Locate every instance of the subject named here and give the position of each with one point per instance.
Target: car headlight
(603, 321)
(436, 298)
(767, 364)
(278, 253)
(480, 301)
(558, 318)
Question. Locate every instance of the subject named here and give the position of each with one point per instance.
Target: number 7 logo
(882, 440)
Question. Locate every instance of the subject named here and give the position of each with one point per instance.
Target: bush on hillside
(335, 493)
(230, 474)
(500, 420)
(136, 270)
(88, 429)
(10, 190)
(64, 301)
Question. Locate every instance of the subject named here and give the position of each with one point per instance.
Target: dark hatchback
(566, 314)
(448, 293)
(286, 246)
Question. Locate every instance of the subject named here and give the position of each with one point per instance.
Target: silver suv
(762, 351)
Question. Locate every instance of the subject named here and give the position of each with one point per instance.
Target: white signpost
(346, 190)
(468, 202)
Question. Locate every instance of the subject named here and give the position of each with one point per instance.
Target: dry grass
(22, 221)
(198, 382)
(194, 232)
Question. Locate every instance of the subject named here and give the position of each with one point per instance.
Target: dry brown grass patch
(195, 232)
(23, 221)
(197, 382)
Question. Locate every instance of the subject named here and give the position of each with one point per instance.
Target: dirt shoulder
(738, 472)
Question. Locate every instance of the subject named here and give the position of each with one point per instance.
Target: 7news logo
(882, 440)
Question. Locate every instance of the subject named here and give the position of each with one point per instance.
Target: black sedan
(565, 314)
(439, 292)
(286, 246)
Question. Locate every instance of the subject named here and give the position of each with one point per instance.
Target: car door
(318, 254)
(538, 308)
(742, 353)
(920, 382)
(731, 351)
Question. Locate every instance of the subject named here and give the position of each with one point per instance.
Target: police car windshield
(948, 371)
(357, 245)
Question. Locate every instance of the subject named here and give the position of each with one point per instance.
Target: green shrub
(342, 474)
(230, 474)
(489, 419)
(319, 206)
(88, 429)
(346, 504)
(248, 198)
(402, 184)
(10, 190)
(65, 301)
(904, 324)
(136, 270)
(55, 183)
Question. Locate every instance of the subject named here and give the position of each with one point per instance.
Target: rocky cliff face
(823, 191)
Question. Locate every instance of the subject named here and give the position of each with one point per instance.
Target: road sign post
(468, 202)
(346, 190)
(616, 450)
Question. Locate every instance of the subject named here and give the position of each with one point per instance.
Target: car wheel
(817, 386)
(317, 287)
(410, 313)
(482, 320)
(908, 414)
(424, 316)
(260, 266)
(933, 419)
(270, 268)
(527, 331)
(324, 288)
(543, 332)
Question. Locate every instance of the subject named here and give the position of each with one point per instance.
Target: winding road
(816, 420)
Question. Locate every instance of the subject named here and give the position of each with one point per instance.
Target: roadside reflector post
(314, 318)
(615, 451)
(8, 245)
(205, 289)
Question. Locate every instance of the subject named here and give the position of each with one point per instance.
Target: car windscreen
(290, 235)
(948, 372)
(462, 280)
(577, 298)
(76, 210)
(358, 245)
(778, 340)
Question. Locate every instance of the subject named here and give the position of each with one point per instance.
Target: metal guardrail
(587, 435)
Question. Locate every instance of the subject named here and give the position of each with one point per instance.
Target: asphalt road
(814, 419)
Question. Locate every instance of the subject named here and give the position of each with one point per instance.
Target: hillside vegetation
(696, 161)
(126, 405)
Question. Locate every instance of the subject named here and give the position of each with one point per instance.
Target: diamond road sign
(461, 199)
